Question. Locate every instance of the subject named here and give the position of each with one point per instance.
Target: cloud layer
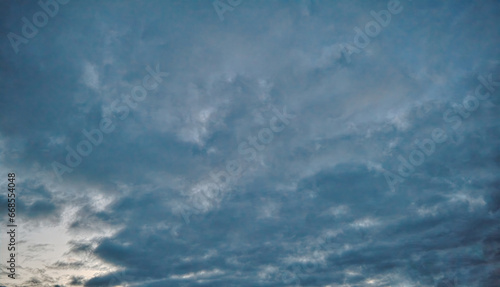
(323, 203)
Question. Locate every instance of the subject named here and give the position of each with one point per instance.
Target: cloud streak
(262, 158)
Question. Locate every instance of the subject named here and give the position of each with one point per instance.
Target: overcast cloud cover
(331, 198)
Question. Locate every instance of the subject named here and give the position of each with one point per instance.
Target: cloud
(76, 281)
(314, 206)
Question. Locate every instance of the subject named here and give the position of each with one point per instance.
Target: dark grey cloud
(313, 207)
(76, 281)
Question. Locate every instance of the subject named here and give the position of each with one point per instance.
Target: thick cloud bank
(252, 143)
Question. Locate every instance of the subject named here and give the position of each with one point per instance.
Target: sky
(251, 143)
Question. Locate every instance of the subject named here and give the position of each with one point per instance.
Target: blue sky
(252, 143)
